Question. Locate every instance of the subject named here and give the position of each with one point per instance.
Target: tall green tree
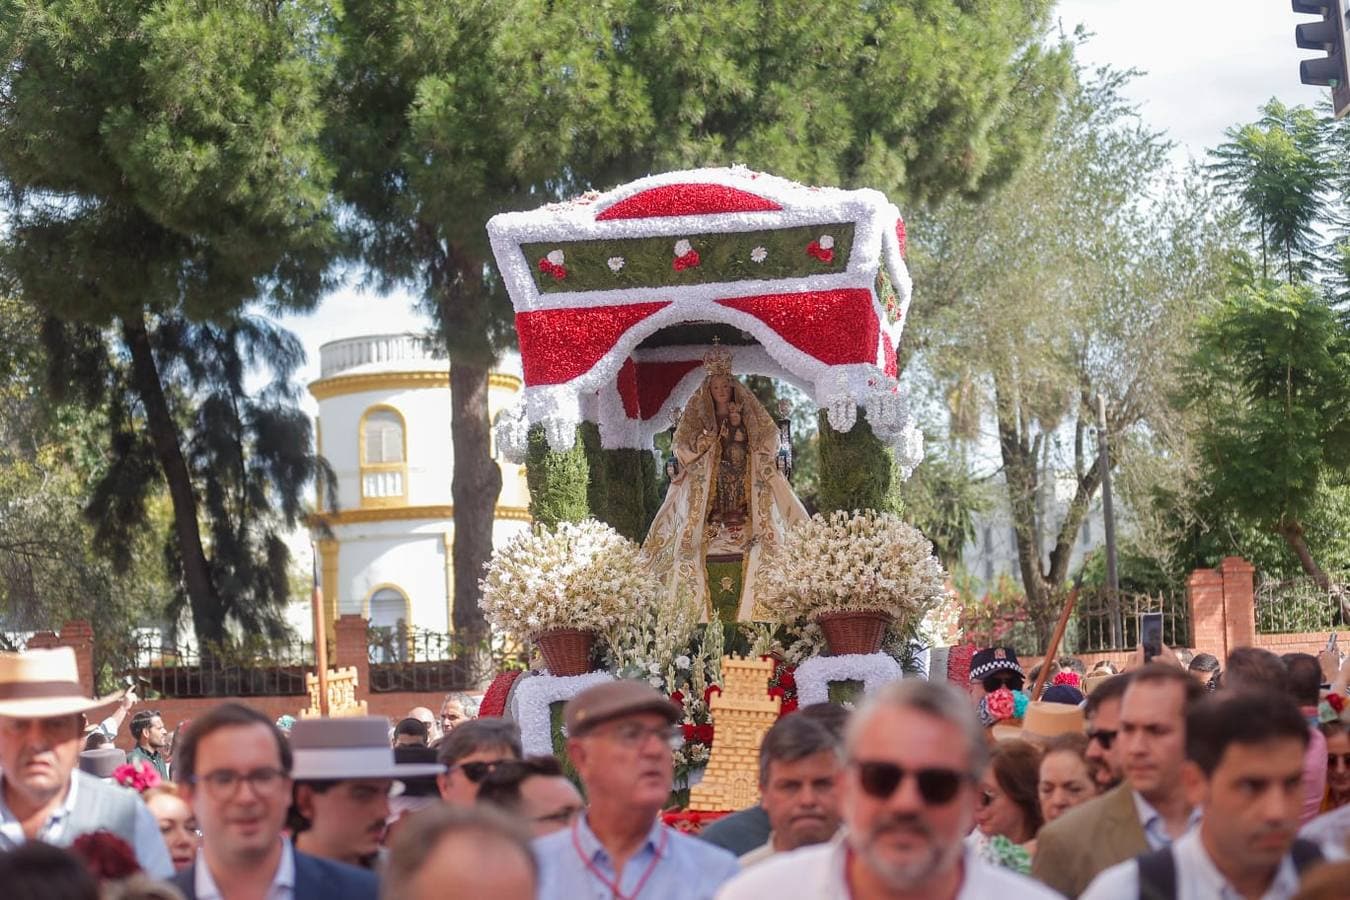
(444, 114)
(1279, 172)
(1070, 282)
(1272, 373)
(160, 167)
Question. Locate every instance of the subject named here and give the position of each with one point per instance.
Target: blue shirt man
(619, 739)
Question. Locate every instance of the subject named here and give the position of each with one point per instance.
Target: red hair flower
(139, 776)
(1070, 679)
(1001, 704)
(106, 855)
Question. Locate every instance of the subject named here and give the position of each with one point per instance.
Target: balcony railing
(336, 357)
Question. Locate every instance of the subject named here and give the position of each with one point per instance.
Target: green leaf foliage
(622, 490)
(557, 481)
(856, 470)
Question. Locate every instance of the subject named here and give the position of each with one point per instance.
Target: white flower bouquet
(582, 575)
(851, 562)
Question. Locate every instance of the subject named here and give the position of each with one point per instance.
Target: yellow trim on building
(388, 586)
(504, 380)
(340, 385)
(403, 513)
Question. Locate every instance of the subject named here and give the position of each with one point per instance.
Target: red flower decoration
(1068, 678)
(900, 234)
(824, 254)
(776, 692)
(688, 730)
(786, 679)
(689, 260)
(106, 855)
(139, 776)
(1001, 704)
(789, 706)
(677, 698)
(1337, 702)
(703, 734)
(708, 691)
(549, 267)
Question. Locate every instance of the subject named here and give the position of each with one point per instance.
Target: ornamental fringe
(534, 694)
(873, 669)
(840, 389)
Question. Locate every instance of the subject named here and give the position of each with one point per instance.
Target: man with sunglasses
(994, 668)
(1102, 712)
(534, 790)
(915, 752)
(470, 752)
(1150, 808)
(235, 768)
(619, 737)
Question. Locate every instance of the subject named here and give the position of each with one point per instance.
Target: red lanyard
(614, 885)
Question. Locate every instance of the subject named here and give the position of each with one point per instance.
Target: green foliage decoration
(557, 481)
(623, 490)
(857, 470)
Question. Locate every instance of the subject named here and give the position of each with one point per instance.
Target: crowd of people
(1178, 777)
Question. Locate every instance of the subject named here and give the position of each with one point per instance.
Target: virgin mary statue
(728, 507)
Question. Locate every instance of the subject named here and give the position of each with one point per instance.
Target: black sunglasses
(1010, 680)
(477, 771)
(936, 786)
(1103, 737)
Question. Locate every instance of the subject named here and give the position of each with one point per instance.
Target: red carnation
(703, 734)
(689, 731)
(707, 693)
(776, 692)
(1001, 704)
(677, 698)
(787, 679)
(106, 855)
(789, 706)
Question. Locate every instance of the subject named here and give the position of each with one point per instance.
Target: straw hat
(355, 747)
(43, 684)
(1043, 721)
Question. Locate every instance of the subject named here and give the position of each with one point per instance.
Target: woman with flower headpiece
(728, 503)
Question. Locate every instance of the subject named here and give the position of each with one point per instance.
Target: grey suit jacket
(315, 879)
(1076, 847)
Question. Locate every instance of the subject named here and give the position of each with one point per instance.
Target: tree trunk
(1292, 532)
(474, 488)
(207, 611)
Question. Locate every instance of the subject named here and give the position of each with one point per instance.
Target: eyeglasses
(477, 771)
(1103, 737)
(936, 786)
(633, 735)
(563, 816)
(1342, 758)
(53, 728)
(224, 783)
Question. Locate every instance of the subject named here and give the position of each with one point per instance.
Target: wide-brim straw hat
(42, 684)
(344, 748)
(1043, 721)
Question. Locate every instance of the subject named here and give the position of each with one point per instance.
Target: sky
(1205, 67)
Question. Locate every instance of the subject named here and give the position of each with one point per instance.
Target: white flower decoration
(826, 242)
(616, 263)
(682, 247)
(555, 257)
(681, 662)
(759, 254)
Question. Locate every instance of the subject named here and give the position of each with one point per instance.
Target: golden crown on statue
(717, 361)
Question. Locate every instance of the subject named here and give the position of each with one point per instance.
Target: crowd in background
(1181, 777)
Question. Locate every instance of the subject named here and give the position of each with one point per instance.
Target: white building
(384, 427)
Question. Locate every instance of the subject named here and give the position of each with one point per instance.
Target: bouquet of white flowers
(582, 575)
(853, 562)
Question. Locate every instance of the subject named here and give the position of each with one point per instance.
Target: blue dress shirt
(682, 867)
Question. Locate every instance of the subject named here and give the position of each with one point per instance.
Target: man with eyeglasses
(470, 752)
(914, 754)
(620, 737)
(534, 790)
(344, 772)
(235, 770)
(1150, 809)
(43, 795)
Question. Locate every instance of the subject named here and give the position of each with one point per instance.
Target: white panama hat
(355, 747)
(43, 684)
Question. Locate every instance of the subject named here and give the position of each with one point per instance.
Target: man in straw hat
(43, 796)
(344, 773)
(235, 768)
(619, 738)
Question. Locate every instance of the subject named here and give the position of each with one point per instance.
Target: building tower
(384, 427)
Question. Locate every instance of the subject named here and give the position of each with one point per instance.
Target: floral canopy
(617, 296)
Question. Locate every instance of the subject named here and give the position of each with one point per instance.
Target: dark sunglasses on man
(1010, 680)
(477, 771)
(1102, 736)
(937, 786)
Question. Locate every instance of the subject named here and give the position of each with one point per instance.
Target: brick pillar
(1239, 601)
(79, 636)
(350, 648)
(1209, 630)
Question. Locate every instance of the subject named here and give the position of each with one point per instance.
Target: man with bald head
(914, 754)
(439, 855)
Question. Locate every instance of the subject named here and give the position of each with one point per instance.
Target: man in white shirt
(914, 754)
(1244, 769)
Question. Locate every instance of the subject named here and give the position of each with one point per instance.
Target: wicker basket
(566, 651)
(853, 632)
